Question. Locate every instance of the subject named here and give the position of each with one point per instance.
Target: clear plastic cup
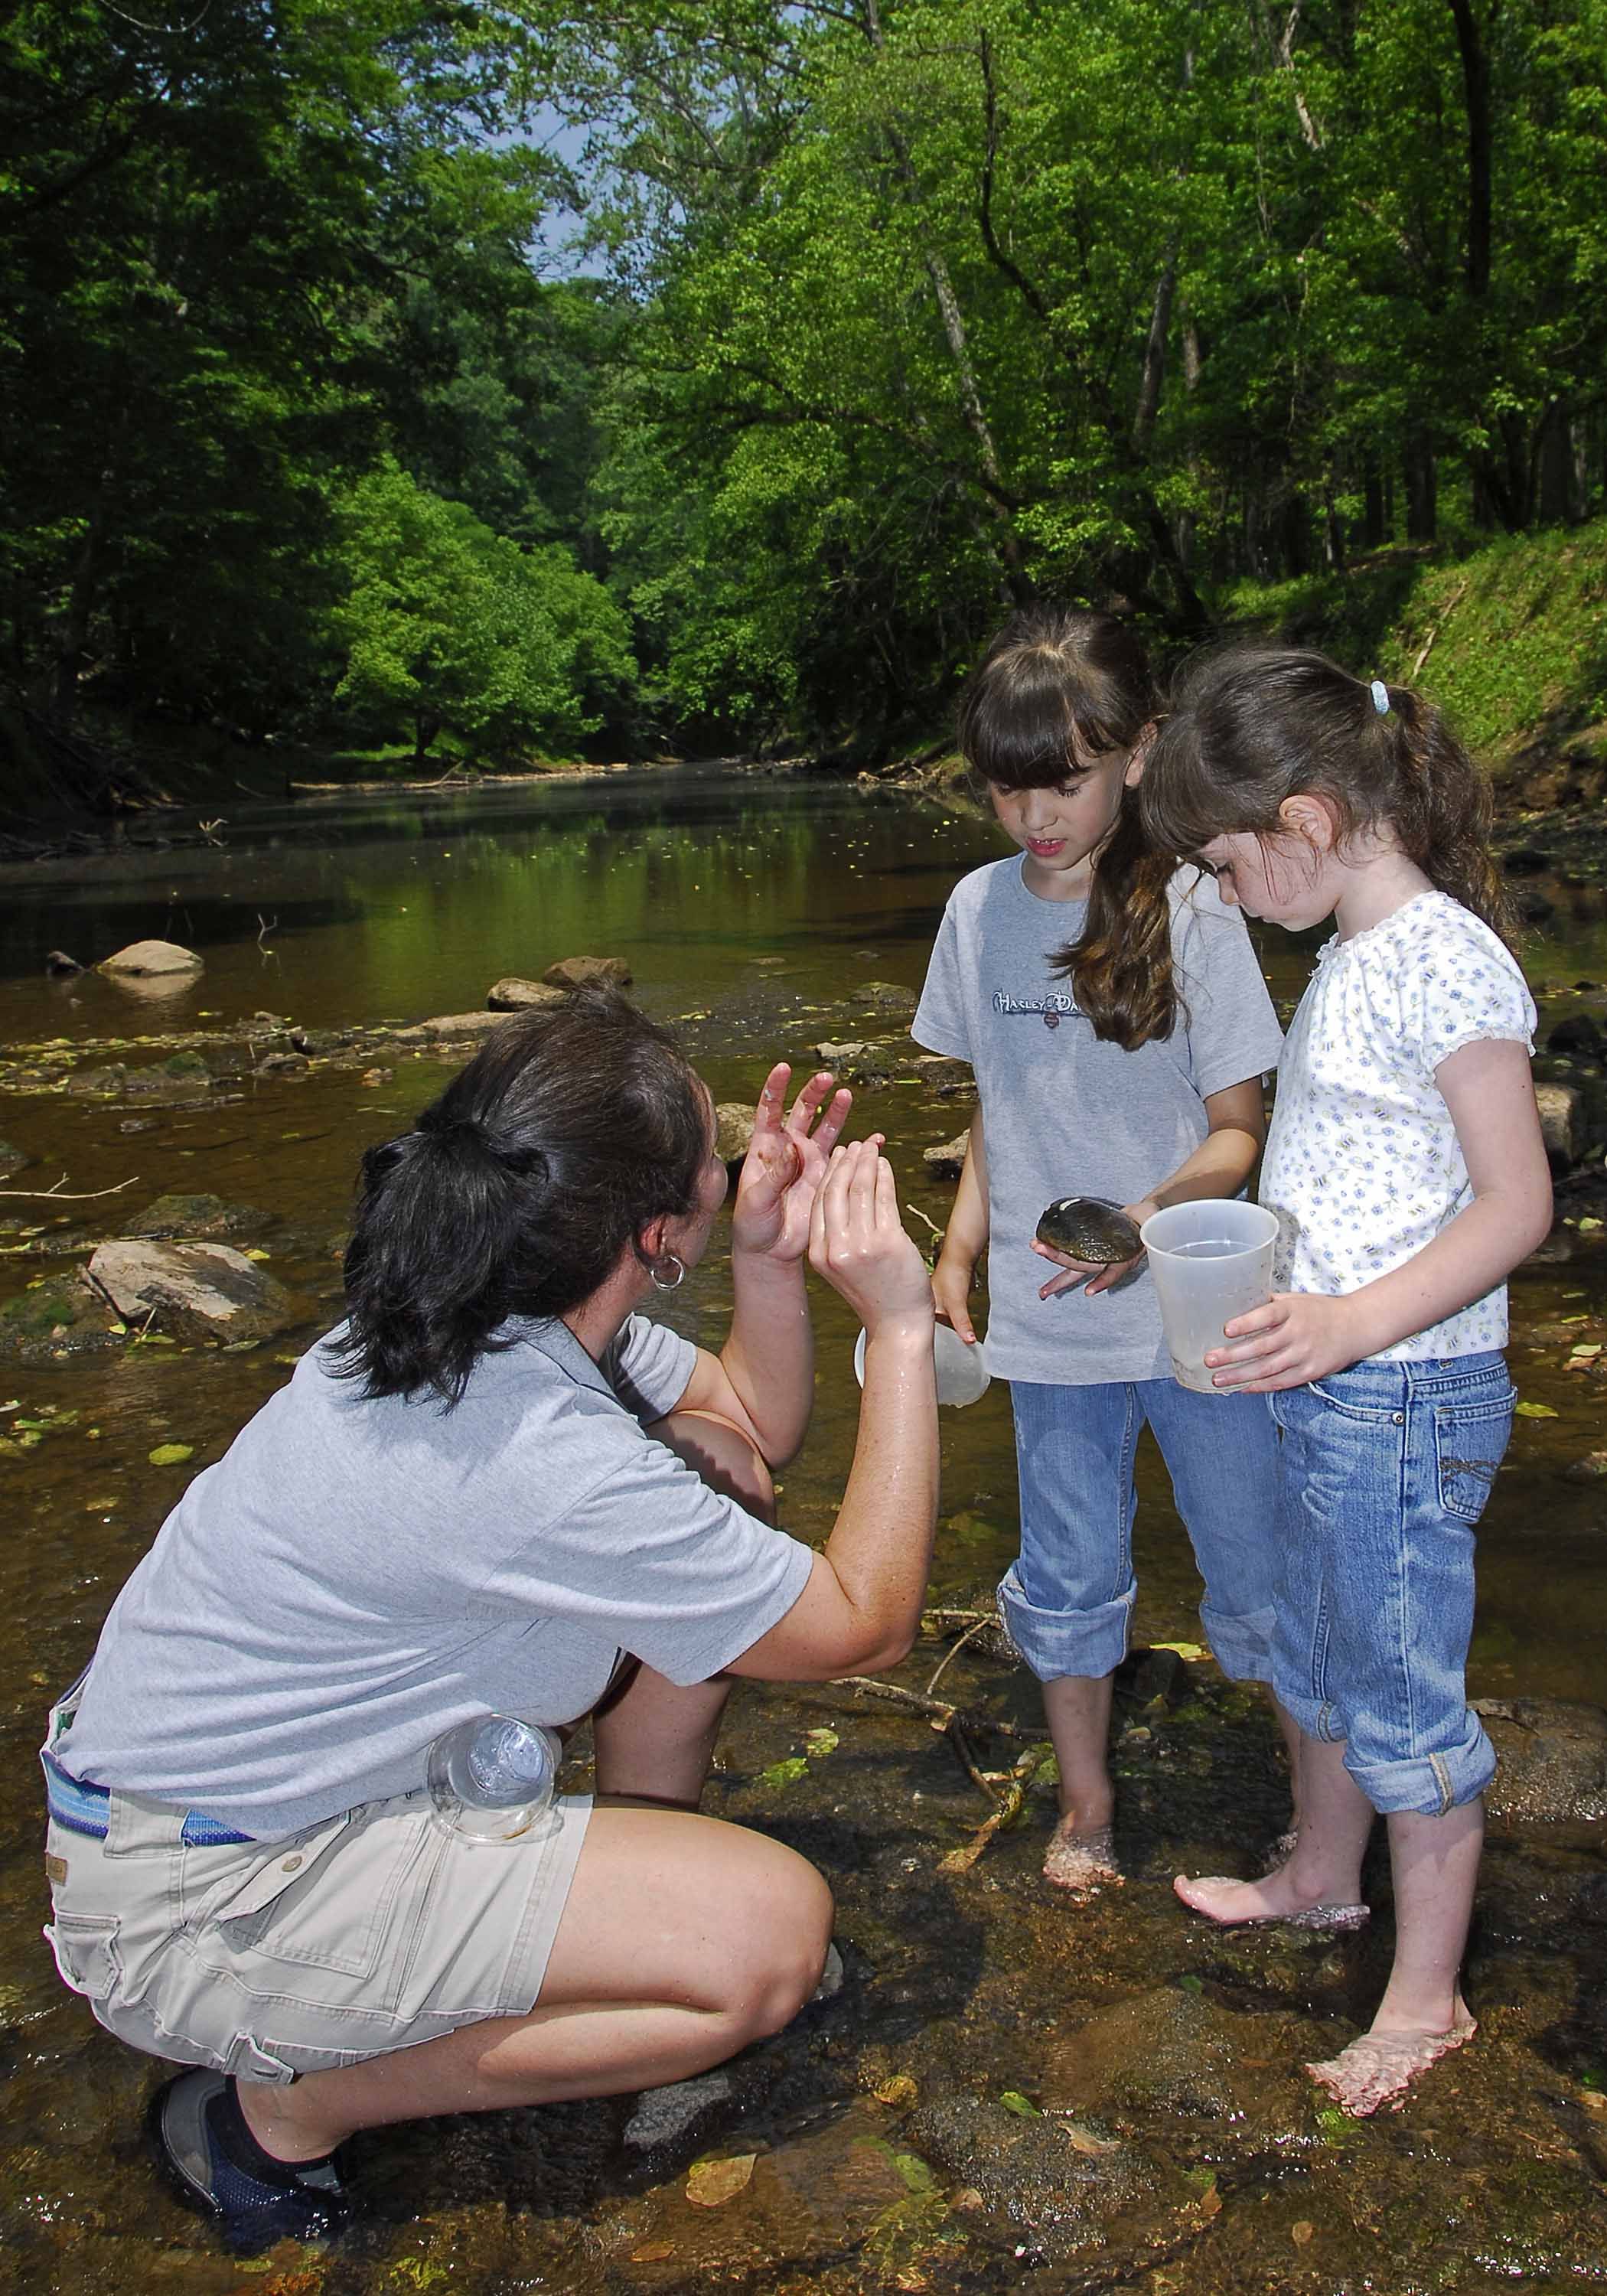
(1211, 1261)
(962, 1371)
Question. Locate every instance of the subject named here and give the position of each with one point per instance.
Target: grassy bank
(1509, 639)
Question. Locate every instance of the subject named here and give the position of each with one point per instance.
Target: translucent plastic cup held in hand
(1211, 1261)
(961, 1370)
(494, 1778)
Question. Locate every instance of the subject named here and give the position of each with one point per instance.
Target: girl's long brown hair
(1253, 725)
(1057, 687)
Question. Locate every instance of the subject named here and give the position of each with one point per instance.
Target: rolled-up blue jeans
(1385, 1471)
(1067, 1598)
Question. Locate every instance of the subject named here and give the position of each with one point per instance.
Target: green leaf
(1021, 2106)
(1534, 1411)
(783, 1773)
(171, 1455)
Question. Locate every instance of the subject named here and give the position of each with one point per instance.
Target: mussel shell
(1090, 1228)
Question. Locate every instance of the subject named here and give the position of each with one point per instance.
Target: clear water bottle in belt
(494, 1778)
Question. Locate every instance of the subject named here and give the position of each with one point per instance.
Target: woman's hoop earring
(662, 1282)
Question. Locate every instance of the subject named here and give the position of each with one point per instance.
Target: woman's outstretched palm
(785, 1164)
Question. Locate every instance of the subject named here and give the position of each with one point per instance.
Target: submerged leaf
(784, 1774)
(818, 1743)
(711, 2182)
(171, 1455)
(1021, 2106)
(1534, 1411)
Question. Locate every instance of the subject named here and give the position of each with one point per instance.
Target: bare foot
(1380, 2067)
(1081, 1863)
(1257, 1904)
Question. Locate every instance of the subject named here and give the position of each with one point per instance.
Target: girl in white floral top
(1406, 1168)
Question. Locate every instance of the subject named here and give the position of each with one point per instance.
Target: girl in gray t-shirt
(1119, 1028)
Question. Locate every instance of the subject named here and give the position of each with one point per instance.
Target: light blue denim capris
(1068, 1599)
(1385, 1470)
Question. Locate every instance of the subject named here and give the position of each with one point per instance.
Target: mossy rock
(203, 1216)
(61, 1314)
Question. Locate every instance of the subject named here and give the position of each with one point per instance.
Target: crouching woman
(497, 1487)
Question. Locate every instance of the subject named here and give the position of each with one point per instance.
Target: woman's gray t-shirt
(354, 1576)
(1065, 1114)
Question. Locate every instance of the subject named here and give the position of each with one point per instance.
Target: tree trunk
(1374, 525)
(1154, 353)
(1294, 534)
(1476, 91)
(1556, 455)
(1422, 490)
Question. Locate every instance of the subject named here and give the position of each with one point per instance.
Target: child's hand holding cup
(1211, 1260)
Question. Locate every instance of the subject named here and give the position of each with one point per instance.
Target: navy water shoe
(217, 2165)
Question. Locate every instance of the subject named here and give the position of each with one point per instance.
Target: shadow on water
(1108, 2096)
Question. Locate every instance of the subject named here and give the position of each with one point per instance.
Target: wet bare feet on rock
(1081, 1861)
(1378, 2069)
(1257, 1905)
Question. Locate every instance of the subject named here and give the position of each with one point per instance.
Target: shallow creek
(1111, 2097)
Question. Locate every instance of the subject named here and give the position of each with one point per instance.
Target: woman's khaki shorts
(372, 1931)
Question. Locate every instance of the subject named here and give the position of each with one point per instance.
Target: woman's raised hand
(858, 1244)
(785, 1164)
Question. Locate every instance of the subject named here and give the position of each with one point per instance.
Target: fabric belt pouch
(82, 1807)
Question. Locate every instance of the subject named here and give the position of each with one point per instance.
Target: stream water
(761, 918)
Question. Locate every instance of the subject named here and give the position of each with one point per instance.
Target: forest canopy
(335, 405)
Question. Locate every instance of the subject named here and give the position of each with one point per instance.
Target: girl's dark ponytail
(1252, 727)
(517, 1191)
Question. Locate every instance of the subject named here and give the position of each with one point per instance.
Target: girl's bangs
(1037, 743)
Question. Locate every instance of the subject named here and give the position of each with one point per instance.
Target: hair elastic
(1381, 697)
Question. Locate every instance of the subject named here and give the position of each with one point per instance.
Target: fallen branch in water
(1010, 1807)
(954, 1648)
(938, 1711)
(82, 1196)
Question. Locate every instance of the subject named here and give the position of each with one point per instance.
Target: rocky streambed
(1100, 2096)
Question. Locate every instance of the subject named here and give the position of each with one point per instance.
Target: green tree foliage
(972, 298)
(909, 309)
(451, 626)
(256, 244)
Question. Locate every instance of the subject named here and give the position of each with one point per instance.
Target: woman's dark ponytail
(517, 1191)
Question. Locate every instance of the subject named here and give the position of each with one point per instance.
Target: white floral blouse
(1363, 1166)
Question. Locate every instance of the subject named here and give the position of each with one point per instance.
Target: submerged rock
(197, 1218)
(886, 997)
(447, 1026)
(13, 1159)
(60, 1316)
(1552, 1758)
(193, 1291)
(153, 960)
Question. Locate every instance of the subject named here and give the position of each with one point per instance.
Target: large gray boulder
(193, 1291)
(152, 960)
